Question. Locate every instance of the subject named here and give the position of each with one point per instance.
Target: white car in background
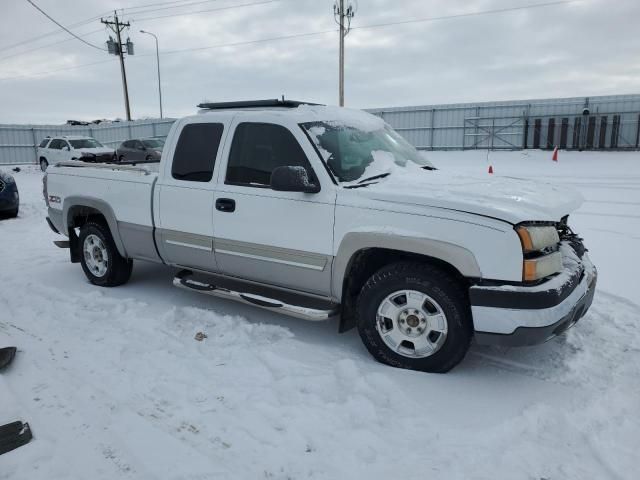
(53, 150)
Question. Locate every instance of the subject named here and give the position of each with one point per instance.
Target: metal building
(606, 122)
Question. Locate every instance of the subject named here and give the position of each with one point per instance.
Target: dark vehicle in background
(140, 150)
(9, 198)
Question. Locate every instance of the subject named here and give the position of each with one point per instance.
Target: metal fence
(18, 143)
(611, 122)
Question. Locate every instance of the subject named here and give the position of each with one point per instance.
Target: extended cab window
(259, 148)
(196, 152)
(57, 144)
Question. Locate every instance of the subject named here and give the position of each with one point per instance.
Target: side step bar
(183, 280)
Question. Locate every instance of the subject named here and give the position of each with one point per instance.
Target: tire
(14, 213)
(121, 158)
(148, 158)
(116, 270)
(43, 164)
(444, 307)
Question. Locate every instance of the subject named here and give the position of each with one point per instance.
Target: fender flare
(101, 206)
(458, 257)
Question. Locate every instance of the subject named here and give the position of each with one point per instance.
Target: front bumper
(519, 315)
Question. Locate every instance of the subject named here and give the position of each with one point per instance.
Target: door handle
(225, 204)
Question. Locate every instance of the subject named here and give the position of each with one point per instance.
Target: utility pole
(343, 18)
(116, 48)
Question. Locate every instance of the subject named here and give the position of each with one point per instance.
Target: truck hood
(513, 200)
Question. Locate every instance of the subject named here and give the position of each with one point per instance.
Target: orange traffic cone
(555, 154)
(491, 169)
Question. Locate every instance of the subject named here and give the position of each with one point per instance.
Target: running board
(183, 280)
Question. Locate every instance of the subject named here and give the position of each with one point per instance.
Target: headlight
(537, 237)
(541, 267)
(539, 248)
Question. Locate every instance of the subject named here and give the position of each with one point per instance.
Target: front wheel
(101, 262)
(43, 164)
(415, 316)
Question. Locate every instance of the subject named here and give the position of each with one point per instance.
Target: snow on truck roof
(301, 112)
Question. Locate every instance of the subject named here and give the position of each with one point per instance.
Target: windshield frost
(354, 154)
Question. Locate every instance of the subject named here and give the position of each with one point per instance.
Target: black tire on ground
(148, 158)
(14, 213)
(43, 164)
(121, 158)
(437, 284)
(118, 268)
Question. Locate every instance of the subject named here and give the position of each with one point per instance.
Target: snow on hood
(514, 200)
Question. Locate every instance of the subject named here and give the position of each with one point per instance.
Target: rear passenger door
(184, 195)
(273, 237)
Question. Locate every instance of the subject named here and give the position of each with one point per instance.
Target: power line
(311, 34)
(159, 4)
(189, 3)
(469, 14)
(53, 32)
(63, 27)
(205, 11)
(48, 45)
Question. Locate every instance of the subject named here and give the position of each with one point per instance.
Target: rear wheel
(43, 164)
(415, 316)
(121, 158)
(101, 262)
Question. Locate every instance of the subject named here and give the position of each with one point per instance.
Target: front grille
(1, 186)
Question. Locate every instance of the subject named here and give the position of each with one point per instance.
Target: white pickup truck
(320, 211)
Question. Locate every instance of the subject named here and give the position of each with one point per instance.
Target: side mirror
(65, 148)
(292, 179)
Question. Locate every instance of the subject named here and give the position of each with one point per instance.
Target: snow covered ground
(115, 386)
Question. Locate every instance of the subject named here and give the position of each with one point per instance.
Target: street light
(158, 63)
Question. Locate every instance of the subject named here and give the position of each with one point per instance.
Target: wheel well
(80, 214)
(42, 158)
(366, 262)
(77, 217)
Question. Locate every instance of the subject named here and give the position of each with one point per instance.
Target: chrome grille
(1, 186)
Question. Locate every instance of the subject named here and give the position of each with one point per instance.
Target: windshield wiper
(374, 177)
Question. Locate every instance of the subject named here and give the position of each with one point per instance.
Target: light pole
(158, 64)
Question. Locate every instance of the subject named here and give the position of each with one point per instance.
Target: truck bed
(126, 189)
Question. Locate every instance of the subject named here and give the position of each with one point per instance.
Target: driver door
(267, 236)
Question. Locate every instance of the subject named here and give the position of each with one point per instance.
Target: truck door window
(258, 148)
(196, 152)
(44, 142)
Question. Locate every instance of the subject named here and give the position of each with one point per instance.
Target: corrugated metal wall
(18, 142)
(612, 122)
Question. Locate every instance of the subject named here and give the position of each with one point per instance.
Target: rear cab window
(196, 151)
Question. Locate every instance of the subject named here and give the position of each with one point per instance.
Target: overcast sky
(586, 48)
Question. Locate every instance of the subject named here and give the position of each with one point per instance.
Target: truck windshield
(85, 143)
(356, 155)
